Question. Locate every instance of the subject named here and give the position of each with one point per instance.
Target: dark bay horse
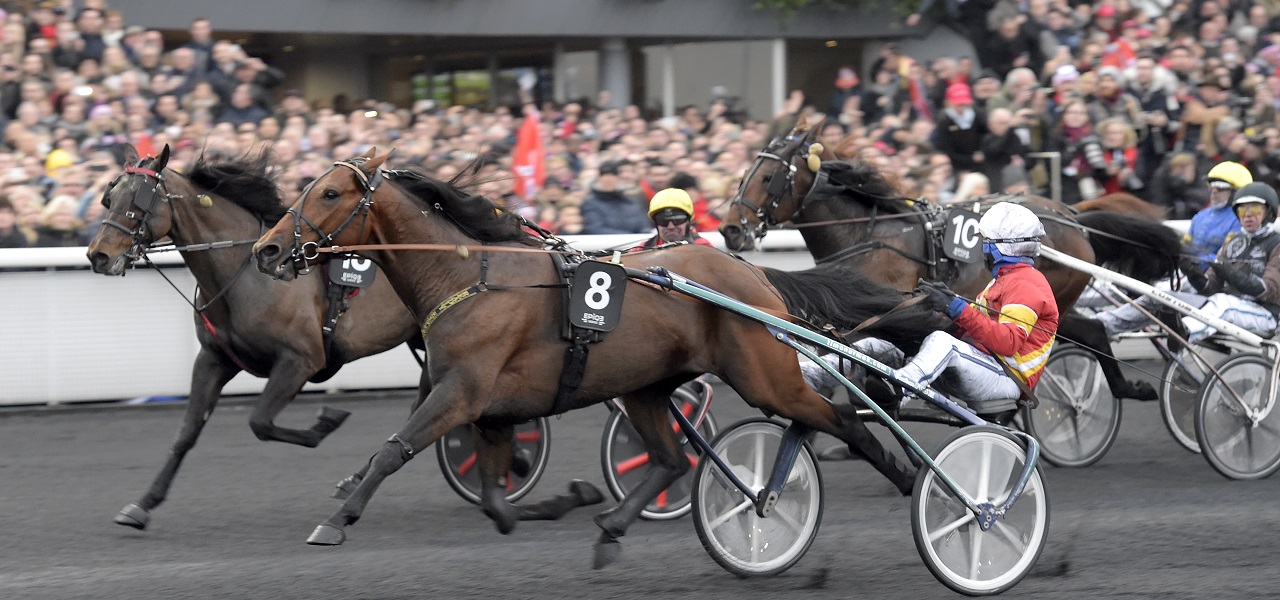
(496, 355)
(856, 218)
(253, 323)
(268, 328)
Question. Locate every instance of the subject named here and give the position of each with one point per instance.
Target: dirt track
(1149, 521)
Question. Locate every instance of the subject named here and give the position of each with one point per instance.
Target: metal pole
(1055, 172)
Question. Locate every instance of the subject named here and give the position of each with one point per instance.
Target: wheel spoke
(1056, 426)
(984, 473)
(946, 530)
(1007, 533)
(729, 514)
(1053, 381)
(758, 455)
(1233, 440)
(975, 552)
(788, 519)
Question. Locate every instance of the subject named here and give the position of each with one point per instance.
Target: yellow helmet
(671, 198)
(1233, 173)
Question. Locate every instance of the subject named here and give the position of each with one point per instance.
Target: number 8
(598, 293)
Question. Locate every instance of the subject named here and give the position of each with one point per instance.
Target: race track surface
(1149, 521)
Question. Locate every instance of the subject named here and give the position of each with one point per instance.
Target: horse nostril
(98, 260)
(269, 252)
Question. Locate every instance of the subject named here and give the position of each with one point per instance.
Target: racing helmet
(671, 198)
(1231, 172)
(1010, 229)
(1258, 193)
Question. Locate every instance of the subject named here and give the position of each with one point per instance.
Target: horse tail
(1132, 245)
(844, 298)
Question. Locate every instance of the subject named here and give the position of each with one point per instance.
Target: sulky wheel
(726, 521)
(625, 461)
(1240, 442)
(1078, 419)
(1180, 396)
(985, 462)
(457, 457)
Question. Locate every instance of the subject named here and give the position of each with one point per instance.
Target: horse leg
(493, 456)
(287, 377)
(344, 488)
(210, 373)
(647, 410)
(443, 410)
(1092, 335)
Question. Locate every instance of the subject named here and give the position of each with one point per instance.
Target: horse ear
(373, 150)
(839, 151)
(802, 121)
(163, 160)
(130, 154)
(371, 165)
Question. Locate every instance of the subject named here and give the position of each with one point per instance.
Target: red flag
(527, 159)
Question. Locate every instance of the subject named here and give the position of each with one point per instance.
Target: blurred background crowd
(1136, 96)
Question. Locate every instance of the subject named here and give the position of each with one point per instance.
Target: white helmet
(1013, 228)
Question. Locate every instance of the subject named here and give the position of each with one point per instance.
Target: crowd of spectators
(1138, 96)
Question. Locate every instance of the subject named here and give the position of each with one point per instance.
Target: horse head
(322, 216)
(774, 189)
(138, 213)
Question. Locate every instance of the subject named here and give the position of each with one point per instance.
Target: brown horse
(855, 217)
(254, 323)
(497, 355)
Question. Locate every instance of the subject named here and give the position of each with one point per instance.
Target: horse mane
(863, 182)
(1122, 203)
(840, 296)
(245, 182)
(473, 214)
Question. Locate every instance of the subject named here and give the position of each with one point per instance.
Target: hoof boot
(586, 493)
(607, 551)
(327, 535)
(133, 516)
(346, 487)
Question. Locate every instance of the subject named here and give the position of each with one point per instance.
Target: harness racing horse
(492, 316)
(245, 321)
(854, 217)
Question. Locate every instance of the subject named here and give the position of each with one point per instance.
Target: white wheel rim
(1076, 415)
(728, 518)
(1235, 443)
(1181, 405)
(985, 465)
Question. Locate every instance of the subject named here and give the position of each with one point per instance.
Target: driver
(1243, 282)
(672, 213)
(1013, 320)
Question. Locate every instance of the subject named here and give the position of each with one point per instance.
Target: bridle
(779, 188)
(140, 208)
(304, 252)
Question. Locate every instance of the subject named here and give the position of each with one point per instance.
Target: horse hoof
(1142, 391)
(521, 462)
(327, 535)
(586, 493)
(346, 487)
(834, 453)
(606, 552)
(504, 518)
(332, 417)
(133, 516)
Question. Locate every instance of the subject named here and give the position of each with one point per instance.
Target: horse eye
(330, 194)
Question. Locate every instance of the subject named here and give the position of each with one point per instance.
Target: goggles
(1251, 209)
(671, 221)
(1215, 184)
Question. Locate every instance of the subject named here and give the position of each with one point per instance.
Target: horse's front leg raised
(647, 410)
(450, 404)
(210, 373)
(287, 377)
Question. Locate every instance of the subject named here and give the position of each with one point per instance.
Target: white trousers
(971, 373)
(1232, 309)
